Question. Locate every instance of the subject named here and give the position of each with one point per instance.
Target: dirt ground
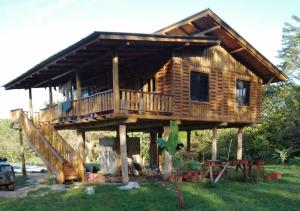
(34, 182)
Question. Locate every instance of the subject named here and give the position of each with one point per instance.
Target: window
(242, 93)
(199, 86)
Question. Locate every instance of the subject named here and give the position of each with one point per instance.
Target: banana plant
(282, 155)
(172, 145)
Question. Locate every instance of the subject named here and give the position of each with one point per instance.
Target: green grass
(282, 194)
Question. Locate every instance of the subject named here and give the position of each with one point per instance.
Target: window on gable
(242, 93)
(199, 86)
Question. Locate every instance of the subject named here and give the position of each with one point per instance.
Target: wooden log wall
(223, 72)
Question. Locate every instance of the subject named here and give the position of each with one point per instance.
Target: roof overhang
(95, 52)
(207, 23)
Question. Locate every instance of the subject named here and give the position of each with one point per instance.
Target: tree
(290, 53)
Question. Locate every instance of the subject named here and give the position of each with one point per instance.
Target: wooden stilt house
(198, 71)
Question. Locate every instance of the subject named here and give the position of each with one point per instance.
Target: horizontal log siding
(223, 71)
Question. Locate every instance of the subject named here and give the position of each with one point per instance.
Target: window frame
(235, 93)
(208, 94)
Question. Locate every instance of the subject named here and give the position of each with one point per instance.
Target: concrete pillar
(214, 144)
(123, 151)
(239, 153)
(167, 167)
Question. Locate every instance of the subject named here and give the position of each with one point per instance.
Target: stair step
(71, 177)
(43, 140)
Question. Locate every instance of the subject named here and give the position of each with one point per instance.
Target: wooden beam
(50, 96)
(123, 150)
(131, 120)
(78, 85)
(202, 33)
(80, 134)
(237, 50)
(88, 62)
(116, 88)
(188, 140)
(30, 104)
(183, 30)
(153, 150)
(214, 144)
(167, 168)
(22, 153)
(239, 153)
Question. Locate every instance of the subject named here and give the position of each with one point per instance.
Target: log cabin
(198, 71)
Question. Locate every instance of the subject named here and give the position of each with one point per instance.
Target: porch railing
(138, 101)
(131, 101)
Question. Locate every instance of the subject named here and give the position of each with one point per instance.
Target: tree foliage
(10, 145)
(290, 53)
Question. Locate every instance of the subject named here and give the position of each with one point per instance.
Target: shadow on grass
(227, 195)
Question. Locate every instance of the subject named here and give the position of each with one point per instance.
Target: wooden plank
(202, 33)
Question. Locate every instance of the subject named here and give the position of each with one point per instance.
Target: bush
(294, 161)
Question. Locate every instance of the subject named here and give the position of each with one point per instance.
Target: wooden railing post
(116, 89)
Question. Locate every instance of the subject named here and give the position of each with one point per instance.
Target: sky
(33, 30)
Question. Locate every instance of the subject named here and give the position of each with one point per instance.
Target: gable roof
(208, 23)
(97, 50)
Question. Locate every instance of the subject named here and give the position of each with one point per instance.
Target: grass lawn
(282, 194)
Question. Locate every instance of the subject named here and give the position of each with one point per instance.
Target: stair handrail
(30, 128)
(76, 163)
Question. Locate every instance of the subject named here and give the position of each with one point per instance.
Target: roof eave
(207, 12)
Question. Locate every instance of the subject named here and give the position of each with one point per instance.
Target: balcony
(101, 104)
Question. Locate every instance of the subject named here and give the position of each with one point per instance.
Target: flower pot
(179, 178)
(171, 179)
(195, 178)
(273, 176)
(189, 174)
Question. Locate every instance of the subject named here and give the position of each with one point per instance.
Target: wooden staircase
(48, 144)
